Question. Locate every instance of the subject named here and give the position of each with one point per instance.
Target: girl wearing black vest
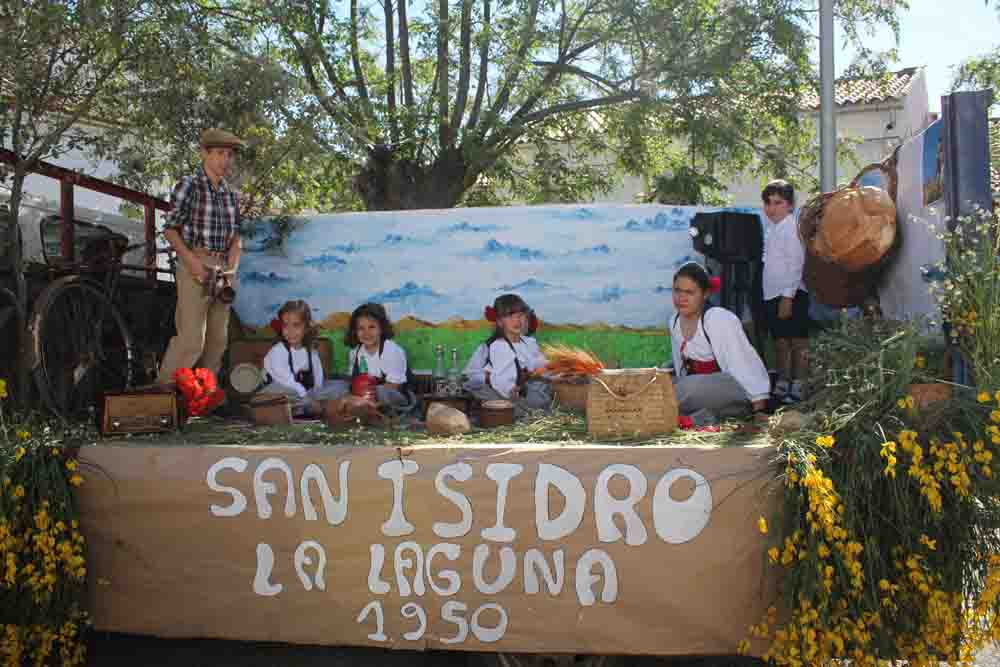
(372, 351)
(715, 366)
(500, 368)
(293, 367)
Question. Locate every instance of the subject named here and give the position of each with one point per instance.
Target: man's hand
(196, 268)
(785, 308)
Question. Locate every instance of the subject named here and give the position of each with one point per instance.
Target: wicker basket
(572, 396)
(631, 403)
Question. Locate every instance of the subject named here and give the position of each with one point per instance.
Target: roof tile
(868, 90)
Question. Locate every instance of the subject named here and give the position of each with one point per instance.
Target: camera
(218, 285)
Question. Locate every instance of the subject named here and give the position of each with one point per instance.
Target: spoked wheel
(82, 347)
(10, 325)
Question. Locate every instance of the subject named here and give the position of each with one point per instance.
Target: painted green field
(616, 348)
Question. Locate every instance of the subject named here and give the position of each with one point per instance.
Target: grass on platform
(557, 428)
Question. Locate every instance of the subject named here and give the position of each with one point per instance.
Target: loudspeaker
(728, 236)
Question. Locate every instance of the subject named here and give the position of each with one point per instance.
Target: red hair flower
(277, 326)
(490, 313)
(533, 322)
(714, 284)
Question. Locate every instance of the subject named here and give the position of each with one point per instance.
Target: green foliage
(968, 293)
(42, 551)
(430, 103)
(888, 536)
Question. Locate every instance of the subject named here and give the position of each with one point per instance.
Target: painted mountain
(582, 265)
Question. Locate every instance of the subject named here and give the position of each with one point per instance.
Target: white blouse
(276, 366)
(784, 259)
(391, 362)
(729, 347)
(503, 371)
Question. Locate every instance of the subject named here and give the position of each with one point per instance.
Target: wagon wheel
(81, 344)
(10, 324)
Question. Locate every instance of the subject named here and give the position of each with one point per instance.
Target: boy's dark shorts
(797, 326)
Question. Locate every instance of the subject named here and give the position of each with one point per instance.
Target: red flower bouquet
(200, 390)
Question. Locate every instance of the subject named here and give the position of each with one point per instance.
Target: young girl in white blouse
(293, 367)
(372, 350)
(500, 368)
(716, 368)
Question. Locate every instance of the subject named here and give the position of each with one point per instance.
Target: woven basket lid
(498, 405)
(245, 377)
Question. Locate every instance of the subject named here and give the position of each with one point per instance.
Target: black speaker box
(728, 236)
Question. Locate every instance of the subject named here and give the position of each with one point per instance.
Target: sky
(938, 34)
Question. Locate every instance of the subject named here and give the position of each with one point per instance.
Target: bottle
(454, 372)
(439, 371)
(363, 384)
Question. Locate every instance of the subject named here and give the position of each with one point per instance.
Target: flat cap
(214, 138)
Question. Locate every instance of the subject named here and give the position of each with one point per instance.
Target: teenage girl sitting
(715, 366)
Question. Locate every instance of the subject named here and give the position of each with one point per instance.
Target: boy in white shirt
(786, 301)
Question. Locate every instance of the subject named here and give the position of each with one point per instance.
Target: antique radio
(139, 411)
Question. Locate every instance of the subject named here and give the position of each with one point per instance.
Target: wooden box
(141, 411)
(270, 410)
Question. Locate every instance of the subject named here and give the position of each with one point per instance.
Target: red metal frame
(70, 179)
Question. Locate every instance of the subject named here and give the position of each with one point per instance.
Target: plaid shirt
(205, 216)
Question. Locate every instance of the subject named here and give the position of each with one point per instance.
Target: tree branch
(527, 39)
(465, 65)
(484, 62)
(445, 136)
(359, 75)
(404, 55)
(390, 72)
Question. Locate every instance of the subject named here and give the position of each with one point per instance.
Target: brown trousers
(202, 326)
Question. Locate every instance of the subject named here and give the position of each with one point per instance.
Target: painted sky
(574, 264)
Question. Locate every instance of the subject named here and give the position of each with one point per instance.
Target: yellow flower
(19, 454)
(910, 403)
(773, 554)
(23, 435)
(995, 416)
(19, 491)
(3, 389)
(71, 465)
(928, 542)
(921, 361)
(901, 404)
(762, 525)
(984, 397)
(76, 480)
(826, 441)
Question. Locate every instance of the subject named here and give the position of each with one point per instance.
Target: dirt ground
(117, 650)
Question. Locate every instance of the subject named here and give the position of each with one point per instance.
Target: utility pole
(827, 101)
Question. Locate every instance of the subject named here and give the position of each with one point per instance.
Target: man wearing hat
(203, 228)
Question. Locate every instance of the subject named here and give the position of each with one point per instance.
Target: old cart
(100, 294)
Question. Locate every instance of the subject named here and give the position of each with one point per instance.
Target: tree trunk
(390, 183)
(22, 385)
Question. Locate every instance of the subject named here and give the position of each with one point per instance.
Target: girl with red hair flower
(293, 367)
(500, 368)
(715, 366)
